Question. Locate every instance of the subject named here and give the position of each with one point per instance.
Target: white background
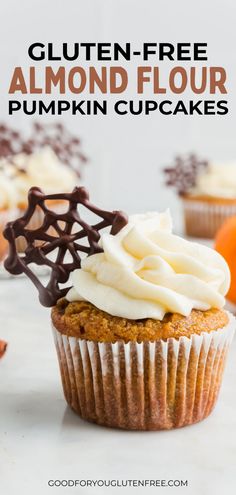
(127, 153)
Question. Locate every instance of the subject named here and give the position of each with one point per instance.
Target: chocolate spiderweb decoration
(61, 232)
(183, 174)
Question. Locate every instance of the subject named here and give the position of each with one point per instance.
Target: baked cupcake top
(145, 271)
(83, 320)
(41, 168)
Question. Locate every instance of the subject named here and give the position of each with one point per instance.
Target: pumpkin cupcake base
(144, 386)
(82, 319)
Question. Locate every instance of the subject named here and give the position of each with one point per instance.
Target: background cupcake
(142, 336)
(50, 158)
(207, 191)
(44, 169)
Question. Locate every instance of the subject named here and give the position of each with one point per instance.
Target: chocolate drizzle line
(65, 146)
(53, 236)
(183, 174)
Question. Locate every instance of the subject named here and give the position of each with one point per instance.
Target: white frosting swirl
(217, 181)
(146, 271)
(42, 169)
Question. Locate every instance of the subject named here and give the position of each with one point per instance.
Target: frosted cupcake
(41, 168)
(50, 159)
(141, 336)
(207, 191)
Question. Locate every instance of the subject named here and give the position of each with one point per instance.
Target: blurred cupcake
(41, 168)
(207, 191)
(50, 159)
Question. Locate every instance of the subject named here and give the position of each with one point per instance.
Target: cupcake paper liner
(144, 386)
(203, 219)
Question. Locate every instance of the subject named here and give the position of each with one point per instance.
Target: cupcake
(50, 159)
(41, 168)
(207, 191)
(141, 334)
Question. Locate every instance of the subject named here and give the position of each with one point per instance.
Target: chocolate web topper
(65, 146)
(61, 233)
(183, 175)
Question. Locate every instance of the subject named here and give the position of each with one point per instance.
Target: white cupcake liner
(146, 386)
(203, 219)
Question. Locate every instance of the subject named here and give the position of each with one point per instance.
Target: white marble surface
(41, 439)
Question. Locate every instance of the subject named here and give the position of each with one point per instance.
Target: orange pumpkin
(3, 346)
(225, 244)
